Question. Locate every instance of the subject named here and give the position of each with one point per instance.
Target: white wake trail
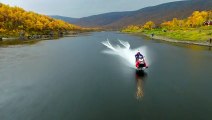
(125, 52)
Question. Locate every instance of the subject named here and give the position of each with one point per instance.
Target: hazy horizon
(82, 8)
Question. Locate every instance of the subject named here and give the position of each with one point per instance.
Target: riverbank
(6, 41)
(166, 39)
(162, 38)
(196, 29)
(200, 36)
(17, 42)
(203, 33)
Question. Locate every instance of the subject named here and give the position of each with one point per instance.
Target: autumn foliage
(15, 19)
(197, 19)
(195, 27)
(149, 25)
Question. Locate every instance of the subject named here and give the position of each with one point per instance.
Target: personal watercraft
(140, 64)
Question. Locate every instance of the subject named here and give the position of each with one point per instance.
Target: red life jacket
(137, 63)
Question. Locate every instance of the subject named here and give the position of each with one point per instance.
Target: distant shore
(203, 43)
(162, 38)
(6, 41)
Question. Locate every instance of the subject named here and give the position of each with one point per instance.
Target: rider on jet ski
(138, 56)
(138, 59)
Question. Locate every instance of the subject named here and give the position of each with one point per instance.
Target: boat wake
(124, 51)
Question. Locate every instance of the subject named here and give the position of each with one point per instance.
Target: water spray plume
(124, 51)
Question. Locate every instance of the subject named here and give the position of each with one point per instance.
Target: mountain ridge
(157, 14)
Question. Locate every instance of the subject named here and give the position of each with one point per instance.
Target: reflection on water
(140, 78)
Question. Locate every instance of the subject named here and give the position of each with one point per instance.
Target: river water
(74, 79)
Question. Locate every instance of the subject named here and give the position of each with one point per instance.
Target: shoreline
(162, 38)
(17, 41)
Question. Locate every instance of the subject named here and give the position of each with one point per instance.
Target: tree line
(15, 19)
(197, 19)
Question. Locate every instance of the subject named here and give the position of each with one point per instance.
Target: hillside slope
(15, 19)
(66, 19)
(158, 14)
(163, 12)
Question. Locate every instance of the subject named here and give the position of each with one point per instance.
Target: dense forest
(195, 27)
(15, 19)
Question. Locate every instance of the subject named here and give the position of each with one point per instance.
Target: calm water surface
(71, 79)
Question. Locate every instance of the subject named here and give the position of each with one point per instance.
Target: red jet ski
(141, 64)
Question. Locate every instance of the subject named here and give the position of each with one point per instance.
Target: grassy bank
(199, 36)
(195, 28)
(190, 34)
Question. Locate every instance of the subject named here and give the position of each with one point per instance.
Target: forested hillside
(196, 27)
(15, 19)
(157, 14)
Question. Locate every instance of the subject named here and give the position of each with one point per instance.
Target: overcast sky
(82, 8)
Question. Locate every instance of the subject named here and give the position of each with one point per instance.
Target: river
(73, 79)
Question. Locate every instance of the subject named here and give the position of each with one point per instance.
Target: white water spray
(125, 52)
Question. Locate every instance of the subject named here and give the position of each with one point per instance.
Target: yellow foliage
(15, 18)
(195, 20)
(149, 25)
(132, 28)
(2, 30)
